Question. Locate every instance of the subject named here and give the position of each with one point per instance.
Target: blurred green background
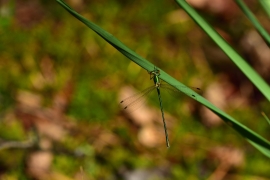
(61, 84)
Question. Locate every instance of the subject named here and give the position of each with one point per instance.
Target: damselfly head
(155, 72)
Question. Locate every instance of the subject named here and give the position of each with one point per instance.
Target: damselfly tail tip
(121, 101)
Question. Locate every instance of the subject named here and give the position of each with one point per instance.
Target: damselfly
(134, 100)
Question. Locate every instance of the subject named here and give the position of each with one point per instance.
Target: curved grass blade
(256, 140)
(228, 50)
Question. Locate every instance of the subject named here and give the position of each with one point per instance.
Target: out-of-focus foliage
(260, 143)
(56, 84)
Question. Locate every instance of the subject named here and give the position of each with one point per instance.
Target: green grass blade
(110, 39)
(254, 21)
(266, 5)
(262, 149)
(234, 56)
(240, 128)
(260, 142)
(267, 119)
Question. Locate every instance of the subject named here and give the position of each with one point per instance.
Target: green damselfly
(134, 100)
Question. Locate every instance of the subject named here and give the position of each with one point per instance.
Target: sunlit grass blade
(266, 5)
(256, 140)
(267, 119)
(231, 53)
(254, 21)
